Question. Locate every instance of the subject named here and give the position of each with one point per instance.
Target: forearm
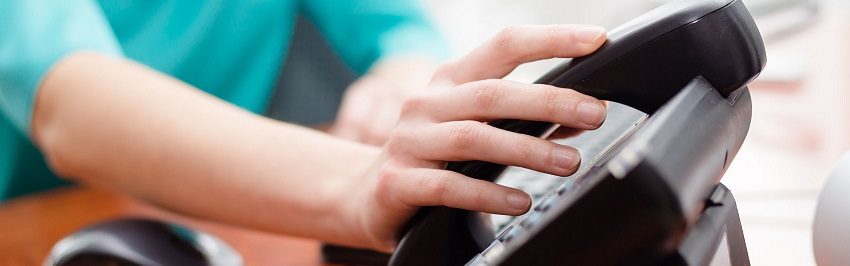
(109, 122)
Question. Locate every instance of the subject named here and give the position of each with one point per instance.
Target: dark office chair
(311, 83)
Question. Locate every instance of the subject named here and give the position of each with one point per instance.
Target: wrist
(347, 197)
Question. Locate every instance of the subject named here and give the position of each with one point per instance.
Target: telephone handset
(643, 64)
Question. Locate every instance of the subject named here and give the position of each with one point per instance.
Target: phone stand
(717, 236)
(653, 198)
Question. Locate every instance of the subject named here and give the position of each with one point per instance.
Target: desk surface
(29, 227)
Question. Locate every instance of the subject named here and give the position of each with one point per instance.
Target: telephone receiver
(643, 64)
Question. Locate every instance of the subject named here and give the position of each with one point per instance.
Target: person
(159, 100)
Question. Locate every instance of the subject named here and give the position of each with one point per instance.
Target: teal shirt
(231, 49)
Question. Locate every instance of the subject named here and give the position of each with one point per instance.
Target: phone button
(509, 234)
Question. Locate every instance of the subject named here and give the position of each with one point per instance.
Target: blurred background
(801, 102)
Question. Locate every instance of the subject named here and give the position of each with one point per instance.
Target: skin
(371, 105)
(113, 123)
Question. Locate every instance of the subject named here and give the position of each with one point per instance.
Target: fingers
(381, 122)
(368, 114)
(471, 140)
(354, 112)
(432, 187)
(567, 132)
(501, 99)
(521, 44)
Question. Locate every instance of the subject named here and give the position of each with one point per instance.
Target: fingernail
(565, 158)
(591, 113)
(519, 201)
(588, 34)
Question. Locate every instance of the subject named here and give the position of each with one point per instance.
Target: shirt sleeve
(34, 34)
(362, 31)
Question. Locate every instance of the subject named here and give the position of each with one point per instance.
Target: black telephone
(686, 64)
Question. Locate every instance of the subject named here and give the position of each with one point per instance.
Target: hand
(371, 105)
(447, 122)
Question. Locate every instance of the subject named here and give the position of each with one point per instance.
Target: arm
(109, 122)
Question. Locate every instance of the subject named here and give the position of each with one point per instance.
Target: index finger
(521, 44)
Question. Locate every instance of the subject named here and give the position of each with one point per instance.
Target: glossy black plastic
(637, 204)
(644, 64)
(139, 241)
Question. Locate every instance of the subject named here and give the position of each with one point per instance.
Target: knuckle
(463, 135)
(380, 137)
(527, 149)
(553, 37)
(394, 145)
(388, 176)
(479, 197)
(446, 71)
(560, 105)
(487, 95)
(398, 140)
(413, 105)
(505, 38)
(438, 187)
(553, 102)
